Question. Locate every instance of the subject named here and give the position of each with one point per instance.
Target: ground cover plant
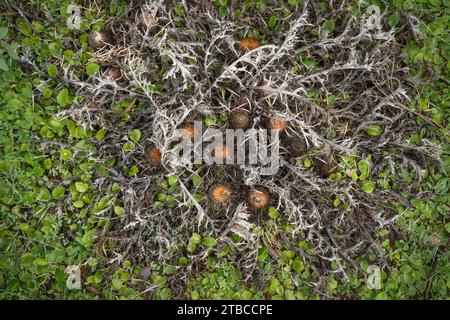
(93, 92)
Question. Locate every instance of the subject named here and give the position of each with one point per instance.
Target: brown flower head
(98, 39)
(221, 152)
(296, 146)
(147, 20)
(155, 156)
(276, 124)
(240, 119)
(189, 130)
(113, 73)
(220, 193)
(258, 199)
(247, 44)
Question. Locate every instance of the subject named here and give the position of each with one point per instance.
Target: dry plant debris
(358, 74)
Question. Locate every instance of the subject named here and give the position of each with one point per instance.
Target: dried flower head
(247, 44)
(113, 73)
(276, 124)
(155, 156)
(147, 20)
(258, 199)
(221, 152)
(296, 146)
(327, 168)
(98, 39)
(240, 119)
(435, 240)
(220, 193)
(189, 130)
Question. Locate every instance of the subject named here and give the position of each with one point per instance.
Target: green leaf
(3, 32)
(191, 247)
(24, 27)
(307, 163)
(47, 93)
(295, 69)
(133, 171)
(209, 241)
(374, 130)
(47, 164)
(128, 146)
(117, 283)
(363, 167)
(63, 97)
(304, 245)
(12, 52)
(331, 285)
(355, 176)
(3, 65)
(173, 181)
(394, 19)
(223, 117)
(442, 186)
(435, 3)
(78, 204)
(100, 134)
(368, 186)
(40, 262)
(179, 9)
(58, 192)
(81, 187)
(381, 296)
(298, 265)
(273, 213)
(169, 270)
(52, 70)
(66, 154)
(447, 227)
(92, 68)
(336, 202)
(272, 22)
(195, 238)
(15, 103)
(329, 25)
(210, 121)
(288, 254)
(260, 5)
(197, 180)
(135, 135)
(5, 165)
(118, 210)
(310, 63)
(294, 3)
(183, 261)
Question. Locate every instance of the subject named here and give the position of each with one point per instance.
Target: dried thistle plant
(175, 74)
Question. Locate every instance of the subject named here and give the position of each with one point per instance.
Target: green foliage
(92, 68)
(36, 243)
(374, 130)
